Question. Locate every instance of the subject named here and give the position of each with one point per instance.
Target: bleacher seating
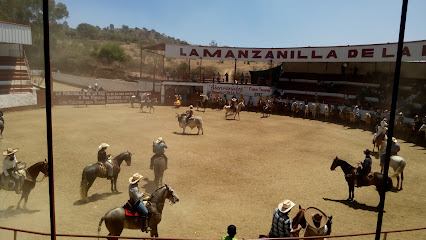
(14, 75)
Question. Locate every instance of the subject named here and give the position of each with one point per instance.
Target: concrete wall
(18, 100)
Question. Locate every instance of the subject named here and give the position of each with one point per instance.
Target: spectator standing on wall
(242, 78)
(226, 77)
(232, 231)
(218, 77)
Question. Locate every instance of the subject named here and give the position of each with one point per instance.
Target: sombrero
(394, 140)
(314, 215)
(135, 178)
(285, 206)
(367, 152)
(190, 106)
(160, 139)
(10, 151)
(103, 145)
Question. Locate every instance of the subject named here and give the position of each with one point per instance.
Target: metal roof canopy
(15, 33)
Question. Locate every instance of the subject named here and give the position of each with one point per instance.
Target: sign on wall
(412, 51)
(92, 97)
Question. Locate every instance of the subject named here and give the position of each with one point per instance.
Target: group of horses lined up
(144, 101)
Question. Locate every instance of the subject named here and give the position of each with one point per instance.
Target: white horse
(397, 163)
(306, 109)
(314, 110)
(326, 112)
(235, 111)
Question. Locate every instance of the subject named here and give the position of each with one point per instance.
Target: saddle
(9, 185)
(103, 173)
(131, 212)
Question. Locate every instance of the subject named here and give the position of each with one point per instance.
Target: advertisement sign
(92, 97)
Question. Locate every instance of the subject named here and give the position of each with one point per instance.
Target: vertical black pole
(392, 116)
(47, 75)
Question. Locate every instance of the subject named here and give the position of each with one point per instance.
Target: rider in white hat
(189, 113)
(281, 222)
(135, 198)
(158, 148)
(9, 164)
(103, 157)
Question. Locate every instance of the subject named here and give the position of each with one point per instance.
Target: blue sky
(256, 23)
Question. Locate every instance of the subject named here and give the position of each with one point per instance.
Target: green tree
(86, 30)
(111, 52)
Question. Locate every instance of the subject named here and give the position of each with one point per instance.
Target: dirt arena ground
(236, 173)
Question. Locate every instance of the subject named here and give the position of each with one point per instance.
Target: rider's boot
(145, 226)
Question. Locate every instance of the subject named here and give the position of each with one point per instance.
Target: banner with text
(412, 51)
(91, 98)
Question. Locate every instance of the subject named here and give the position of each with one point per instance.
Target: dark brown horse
(159, 167)
(350, 176)
(116, 220)
(28, 183)
(91, 172)
(299, 219)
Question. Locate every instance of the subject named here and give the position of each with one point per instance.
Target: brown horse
(28, 183)
(350, 176)
(299, 219)
(93, 171)
(116, 219)
(377, 143)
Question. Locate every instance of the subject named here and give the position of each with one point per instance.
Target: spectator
(242, 78)
(316, 223)
(226, 77)
(281, 223)
(232, 231)
(218, 77)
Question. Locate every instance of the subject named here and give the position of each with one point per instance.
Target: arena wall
(18, 100)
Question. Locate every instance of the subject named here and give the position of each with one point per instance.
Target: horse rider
(233, 102)
(381, 129)
(135, 199)
(9, 164)
(365, 167)
(158, 148)
(281, 223)
(103, 157)
(189, 113)
(357, 113)
(316, 223)
(395, 148)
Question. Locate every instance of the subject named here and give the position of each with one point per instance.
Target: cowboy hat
(400, 113)
(10, 151)
(190, 106)
(103, 145)
(314, 215)
(394, 140)
(135, 178)
(285, 206)
(160, 139)
(367, 152)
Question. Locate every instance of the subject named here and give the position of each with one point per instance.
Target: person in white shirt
(9, 163)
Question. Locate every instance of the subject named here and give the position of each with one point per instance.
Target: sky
(259, 23)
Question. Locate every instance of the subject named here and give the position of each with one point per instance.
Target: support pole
(235, 70)
(48, 82)
(392, 116)
(189, 70)
(201, 64)
(140, 70)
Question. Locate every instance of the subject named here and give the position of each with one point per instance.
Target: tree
(111, 52)
(86, 30)
(213, 43)
(111, 26)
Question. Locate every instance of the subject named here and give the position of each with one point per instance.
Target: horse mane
(343, 164)
(154, 193)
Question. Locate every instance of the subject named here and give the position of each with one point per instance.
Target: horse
(134, 99)
(236, 111)
(28, 183)
(368, 120)
(149, 103)
(116, 219)
(192, 123)
(306, 111)
(295, 108)
(203, 101)
(397, 163)
(91, 172)
(159, 168)
(378, 141)
(422, 134)
(326, 112)
(1, 126)
(298, 219)
(314, 110)
(350, 176)
(266, 108)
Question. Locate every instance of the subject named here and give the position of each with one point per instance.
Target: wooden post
(235, 69)
(140, 70)
(189, 69)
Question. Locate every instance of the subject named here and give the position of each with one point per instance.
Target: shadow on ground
(355, 205)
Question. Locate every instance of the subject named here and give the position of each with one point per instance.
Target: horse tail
(399, 169)
(100, 224)
(83, 186)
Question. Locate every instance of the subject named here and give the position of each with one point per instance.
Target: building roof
(15, 33)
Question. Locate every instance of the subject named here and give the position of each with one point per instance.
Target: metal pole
(235, 69)
(140, 70)
(48, 82)
(189, 69)
(392, 116)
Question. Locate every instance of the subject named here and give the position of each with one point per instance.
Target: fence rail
(384, 233)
